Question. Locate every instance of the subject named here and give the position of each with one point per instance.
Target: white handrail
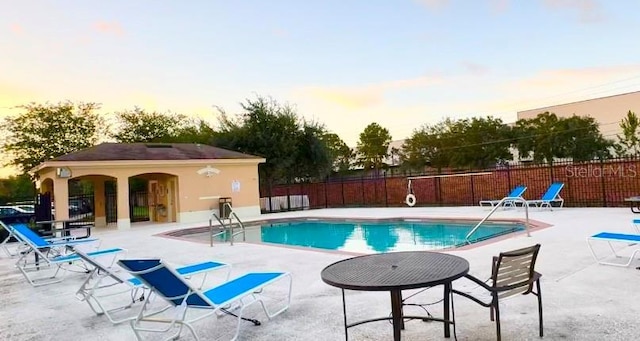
(526, 213)
(223, 227)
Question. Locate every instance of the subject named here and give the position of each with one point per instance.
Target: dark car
(15, 214)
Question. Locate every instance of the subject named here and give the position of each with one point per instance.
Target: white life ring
(410, 200)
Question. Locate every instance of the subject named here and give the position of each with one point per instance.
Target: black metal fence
(596, 183)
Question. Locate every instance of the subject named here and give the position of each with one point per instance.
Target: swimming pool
(376, 236)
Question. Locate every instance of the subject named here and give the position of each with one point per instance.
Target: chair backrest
(28, 235)
(553, 191)
(517, 191)
(165, 281)
(99, 266)
(515, 268)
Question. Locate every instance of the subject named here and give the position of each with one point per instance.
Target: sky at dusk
(400, 63)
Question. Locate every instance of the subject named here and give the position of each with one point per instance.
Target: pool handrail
(223, 227)
(495, 208)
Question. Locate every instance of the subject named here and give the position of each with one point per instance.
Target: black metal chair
(512, 273)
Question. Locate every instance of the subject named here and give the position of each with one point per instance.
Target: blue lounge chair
(611, 237)
(21, 246)
(103, 283)
(50, 255)
(552, 195)
(165, 282)
(517, 191)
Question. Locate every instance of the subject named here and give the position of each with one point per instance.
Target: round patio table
(394, 272)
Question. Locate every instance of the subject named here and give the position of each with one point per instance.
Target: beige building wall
(607, 111)
(190, 188)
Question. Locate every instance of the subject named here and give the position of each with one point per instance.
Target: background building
(607, 111)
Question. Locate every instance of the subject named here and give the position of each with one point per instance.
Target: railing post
(602, 181)
(386, 196)
(326, 201)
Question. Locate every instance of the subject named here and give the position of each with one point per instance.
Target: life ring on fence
(410, 200)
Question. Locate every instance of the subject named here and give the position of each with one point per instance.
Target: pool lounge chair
(165, 282)
(552, 195)
(103, 282)
(610, 238)
(21, 245)
(517, 191)
(50, 256)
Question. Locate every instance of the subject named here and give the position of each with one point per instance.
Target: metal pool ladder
(502, 201)
(226, 226)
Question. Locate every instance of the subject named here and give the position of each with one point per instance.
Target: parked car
(15, 214)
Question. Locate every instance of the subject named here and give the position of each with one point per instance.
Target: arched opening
(90, 199)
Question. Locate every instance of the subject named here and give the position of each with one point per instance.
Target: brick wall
(586, 184)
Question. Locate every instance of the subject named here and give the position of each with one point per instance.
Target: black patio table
(394, 272)
(634, 203)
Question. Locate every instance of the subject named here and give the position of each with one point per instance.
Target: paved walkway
(582, 300)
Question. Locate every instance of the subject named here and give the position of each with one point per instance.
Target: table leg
(447, 305)
(396, 313)
(344, 311)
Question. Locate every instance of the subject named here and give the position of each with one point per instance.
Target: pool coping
(534, 226)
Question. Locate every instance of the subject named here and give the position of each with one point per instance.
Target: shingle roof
(152, 151)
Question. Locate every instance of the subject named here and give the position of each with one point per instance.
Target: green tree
(341, 154)
(581, 139)
(373, 146)
(18, 187)
(629, 142)
(138, 125)
(45, 131)
(546, 137)
(427, 146)
(313, 159)
(479, 142)
(274, 131)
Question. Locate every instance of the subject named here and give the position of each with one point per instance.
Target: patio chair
(165, 282)
(552, 195)
(517, 191)
(56, 255)
(512, 273)
(103, 282)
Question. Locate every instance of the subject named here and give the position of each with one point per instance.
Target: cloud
(433, 4)
(16, 29)
(589, 11)
(499, 6)
(474, 69)
(364, 96)
(113, 28)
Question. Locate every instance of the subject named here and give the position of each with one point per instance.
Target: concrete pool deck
(582, 300)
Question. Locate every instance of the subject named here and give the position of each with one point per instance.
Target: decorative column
(124, 222)
(61, 199)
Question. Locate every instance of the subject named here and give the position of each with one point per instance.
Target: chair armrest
(478, 281)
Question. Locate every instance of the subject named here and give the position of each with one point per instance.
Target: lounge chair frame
(52, 256)
(547, 202)
(512, 273)
(516, 192)
(103, 283)
(610, 238)
(179, 319)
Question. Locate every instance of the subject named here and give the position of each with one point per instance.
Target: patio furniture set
(512, 272)
(176, 287)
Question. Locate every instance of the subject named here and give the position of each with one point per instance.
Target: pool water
(380, 236)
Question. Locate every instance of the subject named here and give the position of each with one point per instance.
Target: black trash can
(224, 210)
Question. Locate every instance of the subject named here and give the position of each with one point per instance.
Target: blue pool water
(379, 236)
